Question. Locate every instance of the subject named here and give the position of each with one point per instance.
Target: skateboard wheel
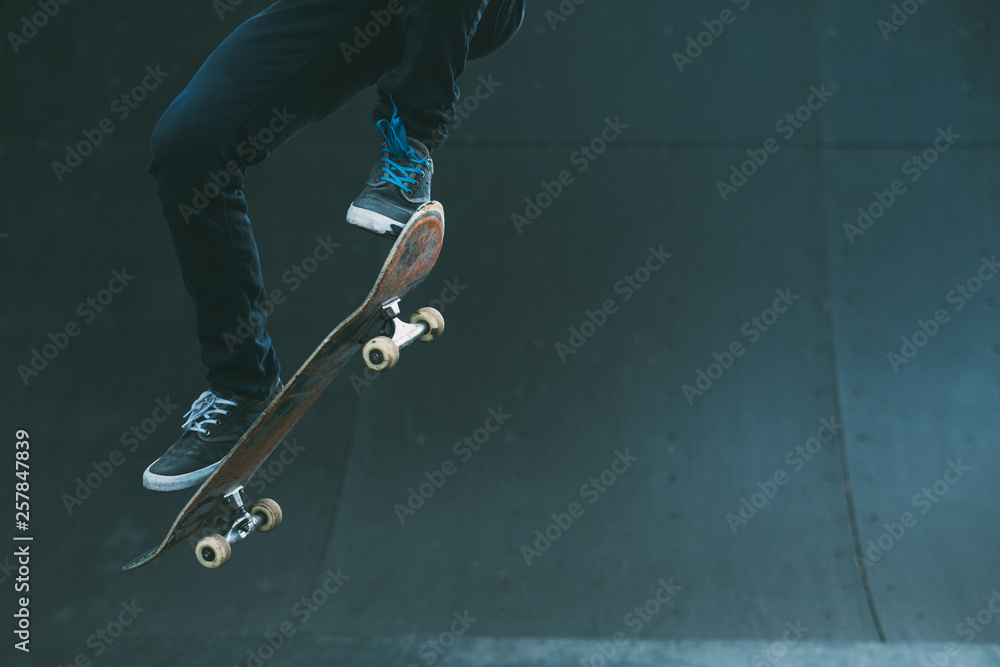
(381, 353)
(213, 550)
(269, 512)
(434, 321)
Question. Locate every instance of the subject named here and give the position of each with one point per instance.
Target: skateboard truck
(263, 516)
(218, 511)
(243, 523)
(382, 352)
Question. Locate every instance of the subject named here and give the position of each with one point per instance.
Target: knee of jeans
(183, 147)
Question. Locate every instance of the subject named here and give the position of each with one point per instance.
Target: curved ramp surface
(692, 406)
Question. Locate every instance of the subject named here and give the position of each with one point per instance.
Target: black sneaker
(399, 182)
(215, 422)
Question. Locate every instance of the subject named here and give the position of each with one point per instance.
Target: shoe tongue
(222, 392)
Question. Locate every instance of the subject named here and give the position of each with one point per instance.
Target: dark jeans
(286, 68)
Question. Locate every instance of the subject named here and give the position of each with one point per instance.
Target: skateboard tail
(409, 262)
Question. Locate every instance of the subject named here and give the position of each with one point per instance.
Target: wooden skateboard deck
(411, 259)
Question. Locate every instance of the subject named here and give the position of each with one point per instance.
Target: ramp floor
(718, 385)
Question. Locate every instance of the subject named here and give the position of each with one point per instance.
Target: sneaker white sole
(373, 222)
(155, 482)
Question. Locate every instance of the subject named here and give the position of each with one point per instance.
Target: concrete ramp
(718, 383)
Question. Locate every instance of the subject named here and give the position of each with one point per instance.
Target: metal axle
(241, 521)
(403, 333)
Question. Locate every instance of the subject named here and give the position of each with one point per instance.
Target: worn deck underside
(352, 576)
(408, 264)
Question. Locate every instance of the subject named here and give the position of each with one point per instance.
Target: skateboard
(376, 330)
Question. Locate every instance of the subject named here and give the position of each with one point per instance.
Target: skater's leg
(417, 96)
(436, 37)
(439, 36)
(277, 73)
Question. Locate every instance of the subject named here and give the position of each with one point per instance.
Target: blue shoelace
(397, 146)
